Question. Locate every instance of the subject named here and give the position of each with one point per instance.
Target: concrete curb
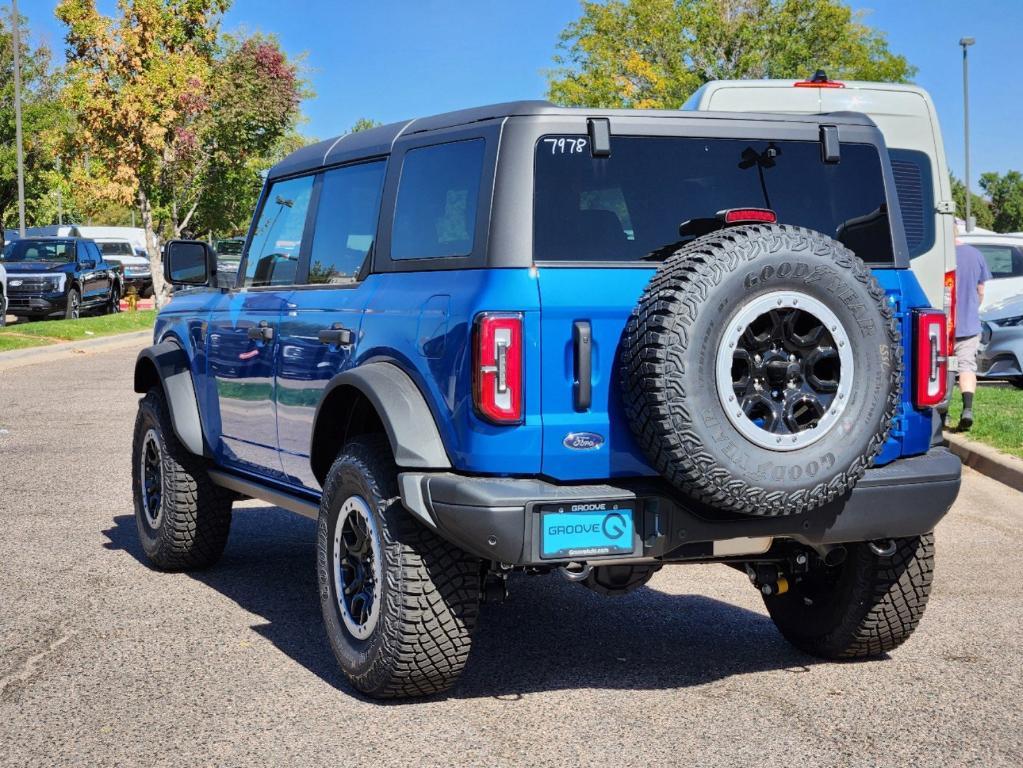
(988, 461)
(19, 357)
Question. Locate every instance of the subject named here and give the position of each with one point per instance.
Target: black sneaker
(966, 420)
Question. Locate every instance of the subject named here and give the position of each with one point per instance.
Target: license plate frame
(587, 530)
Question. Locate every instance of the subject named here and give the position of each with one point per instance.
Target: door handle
(582, 339)
(336, 335)
(261, 332)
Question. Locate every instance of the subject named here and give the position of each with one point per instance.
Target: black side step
(282, 499)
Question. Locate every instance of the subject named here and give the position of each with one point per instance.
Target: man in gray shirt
(971, 274)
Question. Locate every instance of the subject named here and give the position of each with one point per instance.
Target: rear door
(243, 332)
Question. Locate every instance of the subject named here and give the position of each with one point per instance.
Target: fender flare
(167, 364)
(407, 419)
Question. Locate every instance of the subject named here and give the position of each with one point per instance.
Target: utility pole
(966, 42)
(16, 39)
(60, 193)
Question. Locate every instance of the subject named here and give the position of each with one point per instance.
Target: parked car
(136, 269)
(59, 276)
(229, 254)
(542, 339)
(1004, 256)
(1001, 348)
(137, 236)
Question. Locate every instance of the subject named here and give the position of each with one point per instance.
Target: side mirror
(189, 262)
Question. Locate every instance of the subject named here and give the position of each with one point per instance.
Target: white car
(137, 272)
(1004, 257)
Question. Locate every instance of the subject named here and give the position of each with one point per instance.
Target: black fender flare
(167, 364)
(406, 417)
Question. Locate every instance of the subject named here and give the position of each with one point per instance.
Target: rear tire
(183, 519)
(1017, 382)
(865, 607)
(409, 600)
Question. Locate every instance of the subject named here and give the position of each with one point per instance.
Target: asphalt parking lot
(104, 661)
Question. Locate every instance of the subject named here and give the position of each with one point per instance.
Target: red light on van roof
(750, 216)
(818, 84)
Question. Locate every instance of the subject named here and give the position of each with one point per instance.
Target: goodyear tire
(865, 607)
(399, 603)
(761, 369)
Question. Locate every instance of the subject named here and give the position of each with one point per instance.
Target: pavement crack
(30, 666)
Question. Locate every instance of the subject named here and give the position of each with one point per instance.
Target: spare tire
(761, 369)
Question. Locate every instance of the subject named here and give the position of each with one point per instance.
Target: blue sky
(392, 59)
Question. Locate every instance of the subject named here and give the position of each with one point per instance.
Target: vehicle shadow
(549, 634)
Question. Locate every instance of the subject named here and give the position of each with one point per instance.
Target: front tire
(865, 607)
(399, 603)
(114, 303)
(183, 519)
(73, 309)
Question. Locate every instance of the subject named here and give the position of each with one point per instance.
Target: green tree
(1006, 194)
(43, 119)
(980, 208)
(249, 125)
(364, 124)
(655, 53)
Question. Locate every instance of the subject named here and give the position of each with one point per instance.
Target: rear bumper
(498, 518)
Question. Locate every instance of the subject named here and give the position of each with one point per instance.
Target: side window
(1002, 260)
(346, 222)
(277, 240)
(435, 211)
(912, 171)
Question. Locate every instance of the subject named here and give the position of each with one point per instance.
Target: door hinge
(945, 206)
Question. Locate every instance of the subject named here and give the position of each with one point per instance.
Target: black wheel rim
(784, 370)
(151, 478)
(357, 567)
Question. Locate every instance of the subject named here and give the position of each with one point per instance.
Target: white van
(907, 118)
(137, 235)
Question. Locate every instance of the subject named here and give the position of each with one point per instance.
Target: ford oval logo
(583, 441)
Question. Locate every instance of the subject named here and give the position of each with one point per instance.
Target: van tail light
(950, 306)
(930, 357)
(497, 367)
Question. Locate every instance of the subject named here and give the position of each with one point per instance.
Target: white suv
(1004, 256)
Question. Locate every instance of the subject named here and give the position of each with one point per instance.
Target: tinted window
(277, 240)
(912, 172)
(117, 248)
(1002, 260)
(61, 251)
(346, 222)
(435, 213)
(629, 206)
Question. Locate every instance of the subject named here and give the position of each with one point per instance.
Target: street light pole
(16, 39)
(966, 42)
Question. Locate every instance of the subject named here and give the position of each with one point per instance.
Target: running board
(282, 499)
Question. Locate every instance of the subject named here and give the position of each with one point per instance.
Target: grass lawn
(41, 333)
(997, 417)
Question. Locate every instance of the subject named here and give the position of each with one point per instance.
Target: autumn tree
(43, 120)
(656, 53)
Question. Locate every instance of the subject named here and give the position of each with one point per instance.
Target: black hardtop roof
(378, 141)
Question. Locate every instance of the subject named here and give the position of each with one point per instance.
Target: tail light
(950, 306)
(748, 216)
(930, 357)
(497, 367)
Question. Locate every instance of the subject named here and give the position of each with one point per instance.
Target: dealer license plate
(586, 530)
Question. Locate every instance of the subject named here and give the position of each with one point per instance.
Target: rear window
(1002, 260)
(120, 248)
(912, 172)
(628, 207)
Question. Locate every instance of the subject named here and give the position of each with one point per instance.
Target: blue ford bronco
(531, 338)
